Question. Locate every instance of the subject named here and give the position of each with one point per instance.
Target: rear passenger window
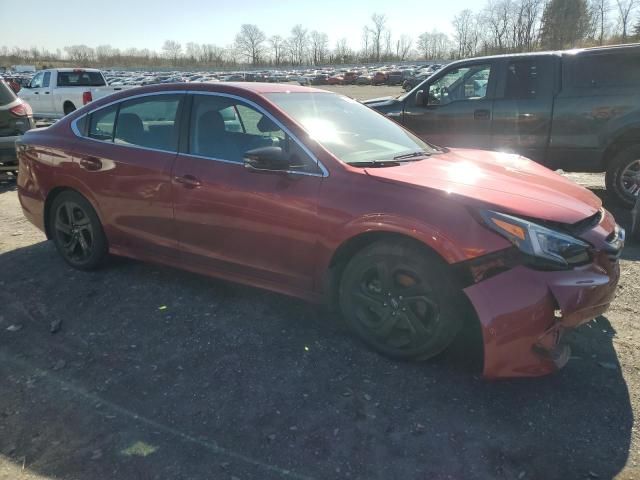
(101, 123)
(150, 122)
(522, 80)
(602, 70)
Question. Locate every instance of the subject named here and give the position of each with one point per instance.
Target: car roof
(237, 87)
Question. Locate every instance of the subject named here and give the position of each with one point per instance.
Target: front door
(254, 226)
(455, 108)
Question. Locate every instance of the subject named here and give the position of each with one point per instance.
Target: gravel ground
(154, 373)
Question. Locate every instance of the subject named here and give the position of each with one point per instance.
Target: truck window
(464, 83)
(80, 79)
(595, 70)
(46, 79)
(522, 80)
(36, 82)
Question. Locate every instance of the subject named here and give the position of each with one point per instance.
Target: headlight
(546, 247)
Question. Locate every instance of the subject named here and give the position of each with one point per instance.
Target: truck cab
(572, 110)
(57, 92)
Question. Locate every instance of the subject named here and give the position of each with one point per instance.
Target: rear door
(125, 160)
(456, 110)
(523, 107)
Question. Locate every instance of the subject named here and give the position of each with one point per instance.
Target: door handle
(90, 163)
(481, 114)
(188, 181)
(46, 93)
(36, 93)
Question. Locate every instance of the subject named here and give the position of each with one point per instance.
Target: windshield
(349, 130)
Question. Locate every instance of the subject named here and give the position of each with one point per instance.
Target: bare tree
(342, 53)
(403, 47)
(366, 38)
(80, 54)
(376, 33)
(599, 12)
(467, 33)
(298, 44)
(249, 43)
(277, 47)
(497, 16)
(172, 50)
(434, 45)
(625, 7)
(319, 47)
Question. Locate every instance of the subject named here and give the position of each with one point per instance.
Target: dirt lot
(160, 374)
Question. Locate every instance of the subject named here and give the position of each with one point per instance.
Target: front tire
(400, 299)
(77, 232)
(623, 176)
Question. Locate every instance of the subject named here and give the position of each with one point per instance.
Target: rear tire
(77, 232)
(400, 299)
(623, 176)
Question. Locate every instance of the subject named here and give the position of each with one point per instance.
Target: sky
(147, 24)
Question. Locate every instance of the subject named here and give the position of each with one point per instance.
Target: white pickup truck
(56, 92)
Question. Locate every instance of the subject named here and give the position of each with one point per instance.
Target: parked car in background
(415, 79)
(336, 204)
(57, 92)
(397, 77)
(16, 118)
(350, 77)
(364, 79)
(379, 78)
(576, 110)
(335, 80)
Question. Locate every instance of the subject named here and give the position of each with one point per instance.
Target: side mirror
(420, 98)
(266, 159)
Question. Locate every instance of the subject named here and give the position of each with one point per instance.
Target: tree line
(501, 26)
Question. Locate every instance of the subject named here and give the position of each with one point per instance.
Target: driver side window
(36, 82)
(225, 129)
(464, 83)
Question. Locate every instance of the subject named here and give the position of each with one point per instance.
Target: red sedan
(314, 195)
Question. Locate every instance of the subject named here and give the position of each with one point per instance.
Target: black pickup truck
(576, 110)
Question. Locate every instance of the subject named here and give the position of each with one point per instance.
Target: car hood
(507, 182)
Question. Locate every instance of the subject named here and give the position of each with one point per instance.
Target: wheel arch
(68, 103)
(623, 140)
(355, 243)
(51, 196)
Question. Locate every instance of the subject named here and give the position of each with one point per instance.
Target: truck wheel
(68, 108)
(401, 300)
(623, 176)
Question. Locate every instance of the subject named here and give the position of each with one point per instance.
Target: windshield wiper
(412, 155)
(375, 163)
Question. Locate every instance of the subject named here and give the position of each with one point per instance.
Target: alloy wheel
(74, 231)
(395, 306)
(630, 179)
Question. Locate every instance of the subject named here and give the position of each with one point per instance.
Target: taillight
(86, 97)
(22, 110)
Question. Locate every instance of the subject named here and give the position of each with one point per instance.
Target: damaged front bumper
(524, 312)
